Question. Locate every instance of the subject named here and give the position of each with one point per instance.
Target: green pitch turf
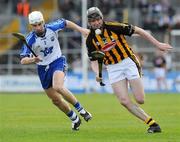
(32, 118)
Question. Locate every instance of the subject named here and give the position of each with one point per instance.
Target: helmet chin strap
(94, 28)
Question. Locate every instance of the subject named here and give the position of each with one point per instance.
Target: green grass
(32, 118)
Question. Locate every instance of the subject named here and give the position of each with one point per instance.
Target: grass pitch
(33, 118)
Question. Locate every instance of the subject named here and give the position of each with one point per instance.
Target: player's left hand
(164, 46)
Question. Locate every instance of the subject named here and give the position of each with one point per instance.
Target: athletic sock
(73, 116)
(151, 122)
(79, 108)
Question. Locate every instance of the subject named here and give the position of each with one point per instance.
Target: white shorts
(126, 69)
(159, 72)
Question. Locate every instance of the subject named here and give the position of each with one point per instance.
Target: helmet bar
(94, 13)
(94, 16)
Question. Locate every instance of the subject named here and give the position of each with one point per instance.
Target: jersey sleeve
(57, 25)
(121, 28)
(25, 52)
(90, 48)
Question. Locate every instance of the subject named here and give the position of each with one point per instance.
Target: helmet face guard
(93, 14)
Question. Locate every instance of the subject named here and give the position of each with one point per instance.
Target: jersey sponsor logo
(52, 38)
(47, 51)
(108, 46)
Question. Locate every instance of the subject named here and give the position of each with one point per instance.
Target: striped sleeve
(121, 28)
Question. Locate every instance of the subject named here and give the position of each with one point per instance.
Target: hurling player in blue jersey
(51, 64)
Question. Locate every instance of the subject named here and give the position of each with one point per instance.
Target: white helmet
(35, 17)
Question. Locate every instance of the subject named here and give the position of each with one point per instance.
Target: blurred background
(161, 18)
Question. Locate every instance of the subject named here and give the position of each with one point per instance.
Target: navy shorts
(46, 72)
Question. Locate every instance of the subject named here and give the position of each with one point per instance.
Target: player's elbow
(138, 30)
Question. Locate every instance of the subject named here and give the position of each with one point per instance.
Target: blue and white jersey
(47, 47)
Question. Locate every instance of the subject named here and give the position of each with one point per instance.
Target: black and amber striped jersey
(112, 35)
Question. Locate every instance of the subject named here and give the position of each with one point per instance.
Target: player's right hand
(37, 59)
(164, 47)
(85, 32)
(98, 79)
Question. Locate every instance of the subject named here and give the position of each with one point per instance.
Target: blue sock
(72, 115)
(78, 106)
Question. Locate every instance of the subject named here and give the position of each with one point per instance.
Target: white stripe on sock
(82, 111)
(76, 120)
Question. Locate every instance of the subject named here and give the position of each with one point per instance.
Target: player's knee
(125, 102)
(58, 88)
(56, 102)
(140, 100)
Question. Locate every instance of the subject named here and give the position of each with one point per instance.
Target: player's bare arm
(149, 37)
(30, 60)
(74, 26)
(94, 66)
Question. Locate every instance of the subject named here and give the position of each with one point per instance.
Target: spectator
(23, 9)
(77, 64)
(66, 7)
(143, 6)
(169, 63)
(160, 71)
(176, 21)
